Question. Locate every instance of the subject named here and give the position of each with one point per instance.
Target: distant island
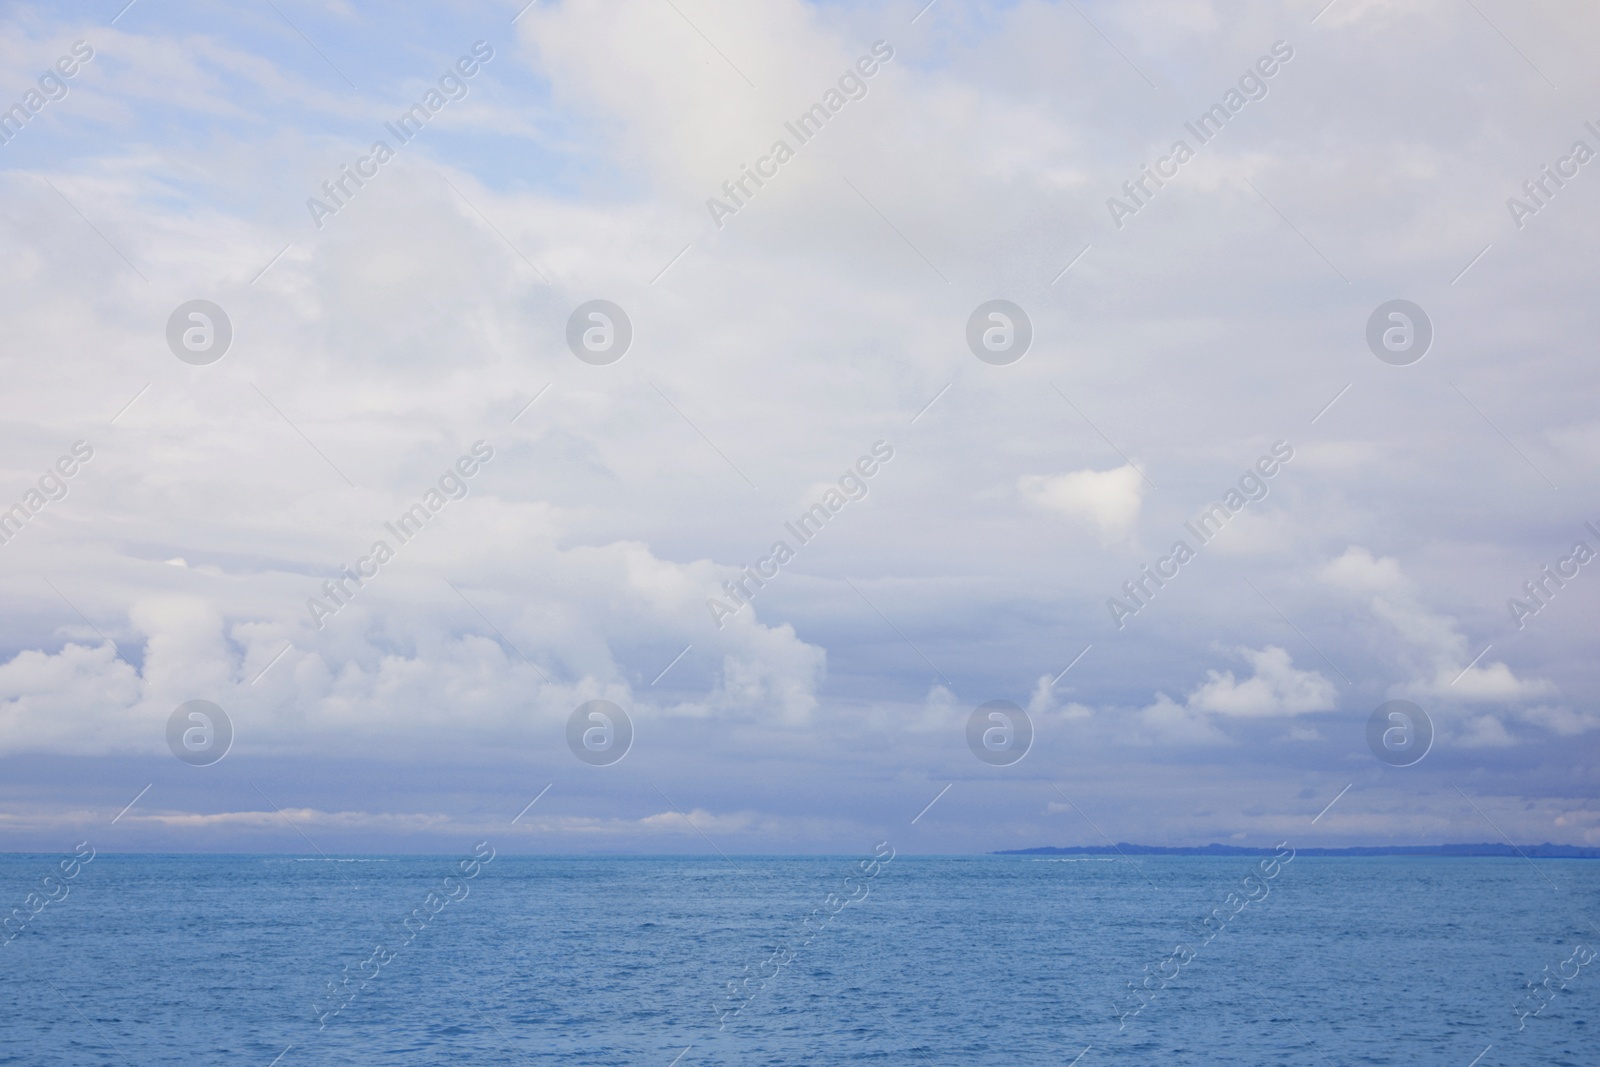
(1545, 852)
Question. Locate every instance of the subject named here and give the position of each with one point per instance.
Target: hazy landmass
(1545, 851)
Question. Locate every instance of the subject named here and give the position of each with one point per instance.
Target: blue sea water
(196, 960)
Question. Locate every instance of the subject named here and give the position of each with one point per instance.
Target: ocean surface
(248, 960)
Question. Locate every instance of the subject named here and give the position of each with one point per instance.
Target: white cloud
(69, 701)
(1436, 652)
(1275, 689)
(1106, 500)
(395, 678)
(940, 711)
(344, 820)
(1562, 721)
(1174, 723)
(699, 821)
(1046, 702)
(1482, 731)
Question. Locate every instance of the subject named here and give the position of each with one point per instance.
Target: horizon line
(1453, 850)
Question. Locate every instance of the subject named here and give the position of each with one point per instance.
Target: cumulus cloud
(1108, 501)
(1562, 721)
(1482, 731)
(1275, 689)
(400, 677)
(1431, 643)
(940, 711)
(1045, 701)
(1170, 722)
(74, 700)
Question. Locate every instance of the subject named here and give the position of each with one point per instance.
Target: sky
(1196, 321)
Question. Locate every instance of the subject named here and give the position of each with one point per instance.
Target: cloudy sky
(1188, 333)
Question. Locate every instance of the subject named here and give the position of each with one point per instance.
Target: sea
(491, 959)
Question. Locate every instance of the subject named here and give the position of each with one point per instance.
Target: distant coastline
(1546, 851)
